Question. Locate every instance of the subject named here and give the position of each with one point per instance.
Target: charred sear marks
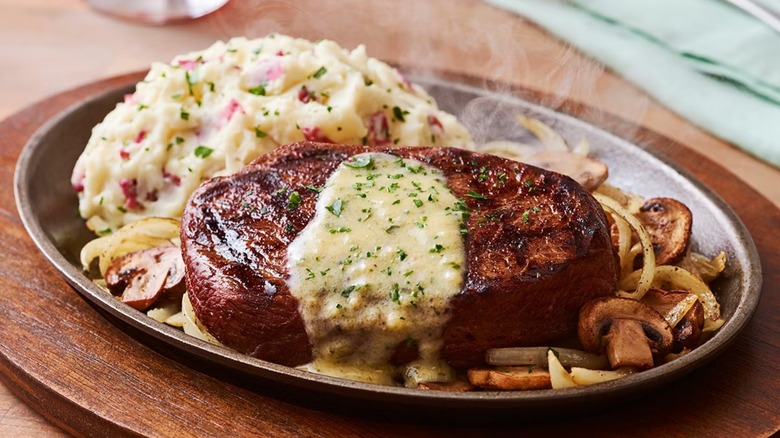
(537, 248)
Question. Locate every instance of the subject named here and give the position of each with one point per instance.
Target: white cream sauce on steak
(376, 267)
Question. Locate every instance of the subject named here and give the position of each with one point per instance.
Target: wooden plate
(37, 176)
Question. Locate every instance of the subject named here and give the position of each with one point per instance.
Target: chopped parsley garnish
(418, 203)
(189, 81)
(345, 293)
(475, 195)
(436, 249)
(294, 200)
(483, 174)
(461, 206)
(401, 254)
(335, 208)
(395, 294)
(179, 140)
(399, 115)
(105, 231)
(258, 90)
(121, 209)
(314, 188)
(365, 161)
(526, 215)
(184, 114)
(259, 133)
(203, 151)
(340, 230)
(391, 229)
(321, 71)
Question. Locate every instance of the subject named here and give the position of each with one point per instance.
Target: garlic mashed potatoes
(210, 113)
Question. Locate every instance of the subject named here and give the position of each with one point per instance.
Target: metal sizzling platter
(47, 205)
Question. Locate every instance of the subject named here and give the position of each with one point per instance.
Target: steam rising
(470, 37)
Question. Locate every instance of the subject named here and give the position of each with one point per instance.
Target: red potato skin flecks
(537, 248)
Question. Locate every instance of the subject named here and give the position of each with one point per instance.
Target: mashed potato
(210, 113)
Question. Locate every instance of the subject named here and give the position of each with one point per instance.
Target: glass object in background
(156, 11)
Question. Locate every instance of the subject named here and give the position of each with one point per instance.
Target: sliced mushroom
(588, 172)
(669, 223)
(510, 378)
(688, 326)
(454, 386)
(628, 331)
(143, 276)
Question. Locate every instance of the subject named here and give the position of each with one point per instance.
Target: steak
(537, 248)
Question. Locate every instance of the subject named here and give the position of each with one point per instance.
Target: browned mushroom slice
(687, 332)
(143, 276)
(510, 378)
(628, 331)
(668, 222)
(588, 172)
(454, 386)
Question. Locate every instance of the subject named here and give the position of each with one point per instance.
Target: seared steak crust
(537, 248)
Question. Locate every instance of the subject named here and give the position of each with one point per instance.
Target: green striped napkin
(704, 59)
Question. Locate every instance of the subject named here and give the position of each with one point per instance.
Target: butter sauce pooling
(376, 266)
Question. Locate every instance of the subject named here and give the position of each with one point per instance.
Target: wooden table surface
(52, 46)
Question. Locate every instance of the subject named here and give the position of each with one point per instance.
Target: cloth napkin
(704, 59)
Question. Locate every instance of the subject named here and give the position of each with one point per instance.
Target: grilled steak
(537, 248)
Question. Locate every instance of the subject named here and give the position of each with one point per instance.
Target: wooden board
(92, 378)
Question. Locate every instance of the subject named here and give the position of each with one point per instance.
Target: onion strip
(648, 261)
(508, 149)
(676, 313)
(679, 278)
(137, 236)
(583, 376)
(630, 201)
(537, 356)
(624, 246)
(547, 136)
